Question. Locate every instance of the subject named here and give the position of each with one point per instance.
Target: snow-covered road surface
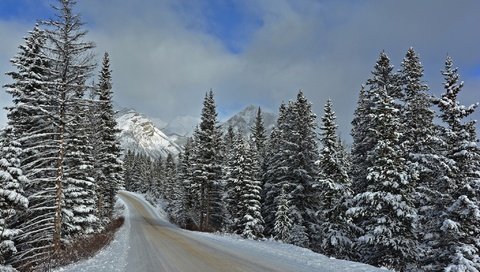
(148, 242)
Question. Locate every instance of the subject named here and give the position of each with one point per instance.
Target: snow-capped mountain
(245, 119)
(139, 134)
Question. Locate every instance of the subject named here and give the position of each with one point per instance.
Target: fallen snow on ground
(304, 258)
(113, 258)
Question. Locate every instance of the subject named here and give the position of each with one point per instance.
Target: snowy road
(148, 242)
(156, 245)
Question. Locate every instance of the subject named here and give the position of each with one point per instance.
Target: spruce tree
(421, 142)
(72, 65)
(303, 150)
(33, 117)
(336, 230)
(250, 219)
(276, 168)
(79, 190)
(110, 179)
(384, 210)
(207, 171)
(457, 248)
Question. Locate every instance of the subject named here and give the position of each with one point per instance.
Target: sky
(165, 54)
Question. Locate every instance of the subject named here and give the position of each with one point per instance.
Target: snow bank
(113, 258)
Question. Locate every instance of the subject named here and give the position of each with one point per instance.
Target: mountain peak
(139, 134)
(245, 119)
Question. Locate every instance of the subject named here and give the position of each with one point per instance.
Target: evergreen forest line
(405, 195)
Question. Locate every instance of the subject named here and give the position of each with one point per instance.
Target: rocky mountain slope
(139, 134)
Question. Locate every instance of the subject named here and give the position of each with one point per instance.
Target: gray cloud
(164, 59)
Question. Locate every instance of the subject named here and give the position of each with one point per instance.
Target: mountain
(244, 120)
(139, 134)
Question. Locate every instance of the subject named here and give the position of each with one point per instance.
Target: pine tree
(303, 150)
(421, 144)
(111, 177)
(72, 65)
(251, 220)
(185, 178)
(207, 171)
(227, 170)
(33, 118)
(336, 229)
(79, 189)
(384, 210)
(12, 198)
(458, 245)
(234, 177)
(275, 177)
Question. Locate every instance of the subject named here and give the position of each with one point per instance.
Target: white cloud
(164, 60)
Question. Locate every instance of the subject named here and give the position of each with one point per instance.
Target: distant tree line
(405, 196)
(60, 165)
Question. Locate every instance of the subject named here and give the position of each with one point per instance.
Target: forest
(60, 161)
(405, 195)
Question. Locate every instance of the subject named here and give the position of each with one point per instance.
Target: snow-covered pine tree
(283, 222)
(111, 178)
(207, 168)
(72, 65)
(251, 221)
(80, 189)
(458, 245)
(336, 230)
(234, 177)
(185, 177)
(302, 148)
(421, 144)
(275, 176)
(227, 168)
(32, 117)
(12, 198)
(384, 210)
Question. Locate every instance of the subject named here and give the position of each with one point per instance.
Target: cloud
(165, 56)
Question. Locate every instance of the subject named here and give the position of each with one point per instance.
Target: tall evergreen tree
(110, 179)
(207, 172)
(276, 168)
(384, 210)
(79, 189)
(303, 150)
(72, 65)
(250, 196)
(421, 143)
(458, 245)
(336, 230)
(33, 118)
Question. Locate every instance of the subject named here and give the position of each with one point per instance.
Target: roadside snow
(304, 259)
(112, 258)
